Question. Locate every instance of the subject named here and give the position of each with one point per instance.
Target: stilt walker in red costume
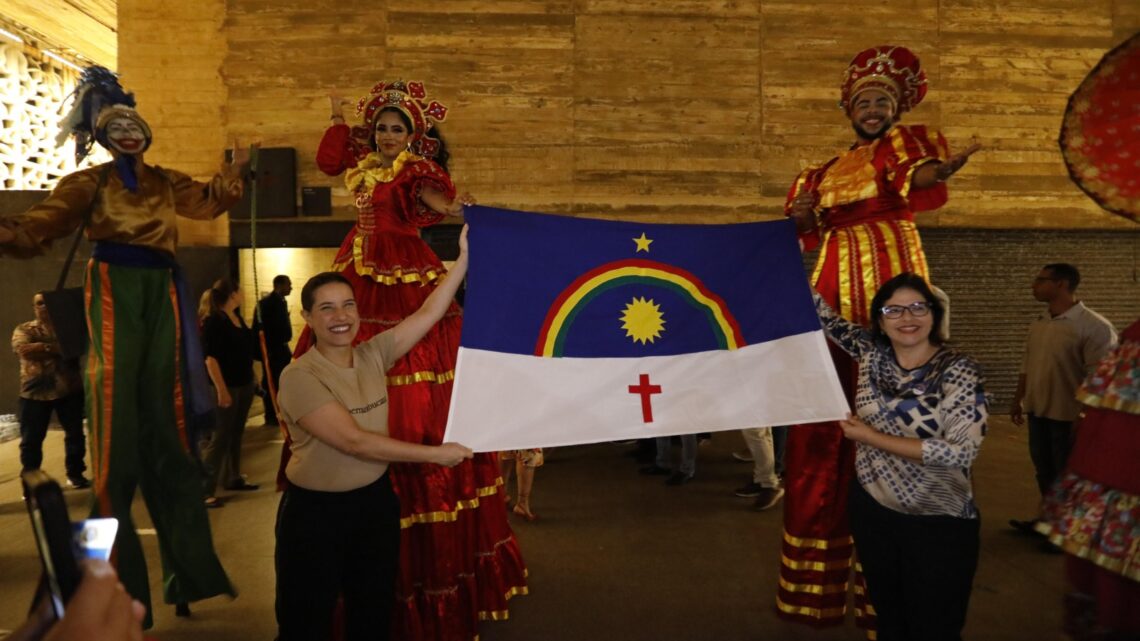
(858, 208)
(459, 560)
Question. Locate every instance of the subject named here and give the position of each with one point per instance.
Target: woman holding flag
(460, 562)
(920, 417)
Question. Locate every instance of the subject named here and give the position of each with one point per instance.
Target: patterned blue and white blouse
(942, 402)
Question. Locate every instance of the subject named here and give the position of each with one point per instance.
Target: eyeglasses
(916, 309)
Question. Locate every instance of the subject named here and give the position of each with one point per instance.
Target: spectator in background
(1064, 345)
(274, 321)
(48, 383)
(920, 418)
(524, 463)
(229, 348)
(765, 486)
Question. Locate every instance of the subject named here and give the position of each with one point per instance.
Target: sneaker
(768, 498)
(1028, 527)
(78, 482)
(749, 491)
(743, 457)
(678, 478)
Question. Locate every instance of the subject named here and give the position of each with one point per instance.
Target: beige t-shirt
(1059, 353)
(311, 382)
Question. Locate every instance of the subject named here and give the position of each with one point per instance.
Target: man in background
(274, 321)
(1065, 343)
(48, 383)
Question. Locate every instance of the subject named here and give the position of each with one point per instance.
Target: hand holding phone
(54, 538)
(100, 610)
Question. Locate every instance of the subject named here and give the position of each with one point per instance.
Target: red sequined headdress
(411, 99)
(895, 70)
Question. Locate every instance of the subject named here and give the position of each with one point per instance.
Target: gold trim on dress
(843, 242)
(815, 613)
(420, 377)
(815, 566)
(394, 277)
(913, 247)
(831, 588)
(819, 262)
(370, 171)
(503, 615)
(443, 516)
(868, 271)
(890, 242)
(819, 544)
(851, 178)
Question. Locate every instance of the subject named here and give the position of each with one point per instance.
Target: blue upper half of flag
(577, 287)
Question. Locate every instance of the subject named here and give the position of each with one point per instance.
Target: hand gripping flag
(579, 331)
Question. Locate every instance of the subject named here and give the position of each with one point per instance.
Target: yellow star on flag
(642, 243)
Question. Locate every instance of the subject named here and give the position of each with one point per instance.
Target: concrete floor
(613, 556)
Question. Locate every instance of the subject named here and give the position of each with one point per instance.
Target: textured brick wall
(693, 111)
(988, 273)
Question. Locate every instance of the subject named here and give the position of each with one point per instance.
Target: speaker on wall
(316, 201)
(276, 185)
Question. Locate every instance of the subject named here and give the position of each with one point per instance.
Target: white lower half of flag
(510, 401)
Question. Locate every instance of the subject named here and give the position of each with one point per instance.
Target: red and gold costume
(1093, 512)
(459, 560)
(864, 205)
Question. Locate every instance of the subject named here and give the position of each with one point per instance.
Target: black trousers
(919, 569)
(1050, 442)
(332, 544)
(34, 419)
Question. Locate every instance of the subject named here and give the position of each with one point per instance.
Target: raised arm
(413, 328)
(203, 201)
(31, 233)
(930, 174)
(850, 337)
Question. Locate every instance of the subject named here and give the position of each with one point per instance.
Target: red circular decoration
(1100, 134)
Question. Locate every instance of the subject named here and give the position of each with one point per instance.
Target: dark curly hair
(906, 280)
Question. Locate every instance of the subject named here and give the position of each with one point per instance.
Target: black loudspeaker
(276, 185)
(316, 201)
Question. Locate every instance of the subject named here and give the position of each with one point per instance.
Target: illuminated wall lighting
(63, 61)
(11, 36)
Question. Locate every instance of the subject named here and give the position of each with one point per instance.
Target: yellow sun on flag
(642, 320)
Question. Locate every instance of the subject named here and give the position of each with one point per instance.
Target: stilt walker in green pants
(143, 362)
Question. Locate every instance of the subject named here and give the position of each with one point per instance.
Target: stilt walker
(858, 209)
(144, 379)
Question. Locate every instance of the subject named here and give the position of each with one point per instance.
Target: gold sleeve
(57, 216)
(203, 201)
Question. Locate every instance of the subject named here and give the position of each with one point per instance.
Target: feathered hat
(99, 98)
(892, 69)
(410, 98)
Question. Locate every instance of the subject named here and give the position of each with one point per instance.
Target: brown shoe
(768, 498)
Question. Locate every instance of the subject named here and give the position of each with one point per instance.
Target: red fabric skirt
(459, 560)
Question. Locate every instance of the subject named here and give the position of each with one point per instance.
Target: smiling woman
(920, 417)
(461, 562)
(338, 525)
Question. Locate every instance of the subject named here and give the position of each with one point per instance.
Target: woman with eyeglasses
(920, 417)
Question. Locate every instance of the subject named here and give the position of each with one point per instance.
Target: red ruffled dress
(1093, 511)
(459, 560)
